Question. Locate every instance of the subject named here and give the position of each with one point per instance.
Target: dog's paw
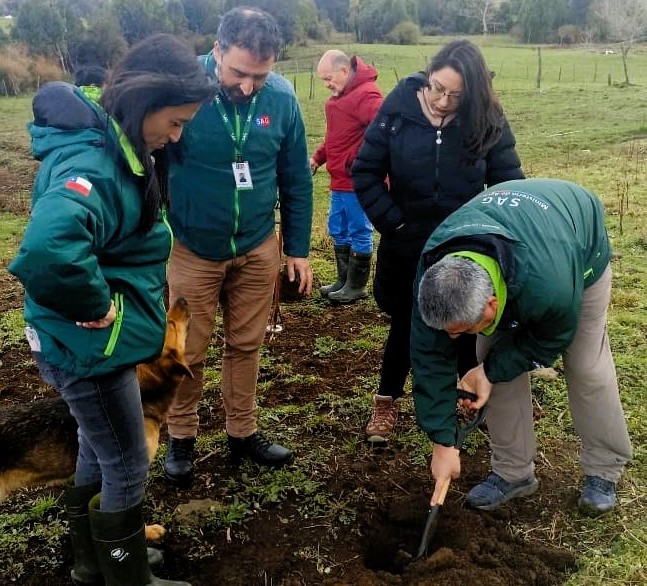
(154, 532)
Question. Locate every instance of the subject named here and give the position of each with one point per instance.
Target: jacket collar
(93, 94)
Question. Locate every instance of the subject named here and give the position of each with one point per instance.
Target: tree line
(530, 21)
(78, 32)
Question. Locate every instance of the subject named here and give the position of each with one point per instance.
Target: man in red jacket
(352, 106)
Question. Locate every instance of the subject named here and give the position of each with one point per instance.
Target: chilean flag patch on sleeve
(80, 185)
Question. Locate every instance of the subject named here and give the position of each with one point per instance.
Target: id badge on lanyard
(242, 176)
(240, 168)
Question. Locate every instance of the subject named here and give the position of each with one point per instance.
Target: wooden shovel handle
(444, 487)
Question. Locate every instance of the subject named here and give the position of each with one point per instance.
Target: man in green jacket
(241, 154)
(525, 264)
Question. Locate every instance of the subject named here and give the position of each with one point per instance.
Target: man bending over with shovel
(525, 265)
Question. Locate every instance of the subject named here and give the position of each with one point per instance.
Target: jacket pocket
(118, 299)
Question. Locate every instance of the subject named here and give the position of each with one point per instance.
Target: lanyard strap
(237, 138)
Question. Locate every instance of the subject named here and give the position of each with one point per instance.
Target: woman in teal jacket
(93, 263)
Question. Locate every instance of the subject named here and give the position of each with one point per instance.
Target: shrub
(569, 34)
(320, 31)
(44, 70)
(14, 69)
(21, 73)
(404, 33)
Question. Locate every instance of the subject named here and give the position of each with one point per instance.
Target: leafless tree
(626, 21)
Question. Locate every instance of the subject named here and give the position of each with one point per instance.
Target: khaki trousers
(243, 288)
(592, 393)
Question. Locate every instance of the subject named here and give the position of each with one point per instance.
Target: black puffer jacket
(426, 181)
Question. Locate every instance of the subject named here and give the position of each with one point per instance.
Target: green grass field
(583, 124)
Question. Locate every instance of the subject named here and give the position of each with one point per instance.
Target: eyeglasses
(438, 91)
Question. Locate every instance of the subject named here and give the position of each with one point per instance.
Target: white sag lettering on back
(501, 201)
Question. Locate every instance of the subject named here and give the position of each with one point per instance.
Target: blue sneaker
(598, 496)
(494, 491)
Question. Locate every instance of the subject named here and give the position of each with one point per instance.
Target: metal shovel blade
(432, 518)
(430, 528)
(432, 515)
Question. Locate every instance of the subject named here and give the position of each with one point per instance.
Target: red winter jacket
(347, 117)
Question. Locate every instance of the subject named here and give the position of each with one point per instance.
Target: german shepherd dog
(39, 440)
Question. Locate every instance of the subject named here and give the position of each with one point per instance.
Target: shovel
(432, 514)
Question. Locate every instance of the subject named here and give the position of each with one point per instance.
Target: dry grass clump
(21, 72)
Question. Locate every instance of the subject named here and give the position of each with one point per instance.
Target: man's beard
(235, 96)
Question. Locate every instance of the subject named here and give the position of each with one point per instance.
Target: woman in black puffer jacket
(439, 138)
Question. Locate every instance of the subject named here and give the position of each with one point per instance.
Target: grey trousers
(592, 393)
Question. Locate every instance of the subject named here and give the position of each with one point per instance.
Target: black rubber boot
(258, 449)
(178, 464)
(120, 544)
(342, 255)
(86, 571)
(359, 270)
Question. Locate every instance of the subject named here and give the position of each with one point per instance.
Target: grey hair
(454, 291)
(251, 29)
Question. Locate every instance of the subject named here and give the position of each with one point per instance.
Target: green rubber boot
(120, 544)
(342, 255)
(86, 571)
(359, 270)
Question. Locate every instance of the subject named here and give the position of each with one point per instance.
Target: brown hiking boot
(383, 419)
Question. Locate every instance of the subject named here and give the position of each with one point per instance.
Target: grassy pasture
(584, 124)
(576, 126)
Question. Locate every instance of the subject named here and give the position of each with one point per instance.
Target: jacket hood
(362, 73)
(64, 115)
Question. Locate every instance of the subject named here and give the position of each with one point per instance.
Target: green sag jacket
(549, 239)
(213, 218)
(82, 246)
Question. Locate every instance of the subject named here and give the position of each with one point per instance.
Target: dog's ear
(174, 364)
(186, 369)
(183, 367)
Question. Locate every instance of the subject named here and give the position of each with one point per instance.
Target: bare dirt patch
(279, 545)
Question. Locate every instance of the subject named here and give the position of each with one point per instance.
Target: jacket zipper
(116, 326)
(170, 231)
(437, 172)
(439, 141)
(232, 240)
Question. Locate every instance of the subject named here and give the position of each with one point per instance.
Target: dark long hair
(479, 107)
(158, 72)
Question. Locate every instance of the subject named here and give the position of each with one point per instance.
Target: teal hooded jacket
(548, 237)
(213, 218)
(82, 247)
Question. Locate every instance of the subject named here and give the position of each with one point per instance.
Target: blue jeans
(348, 224)
(112, 442)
